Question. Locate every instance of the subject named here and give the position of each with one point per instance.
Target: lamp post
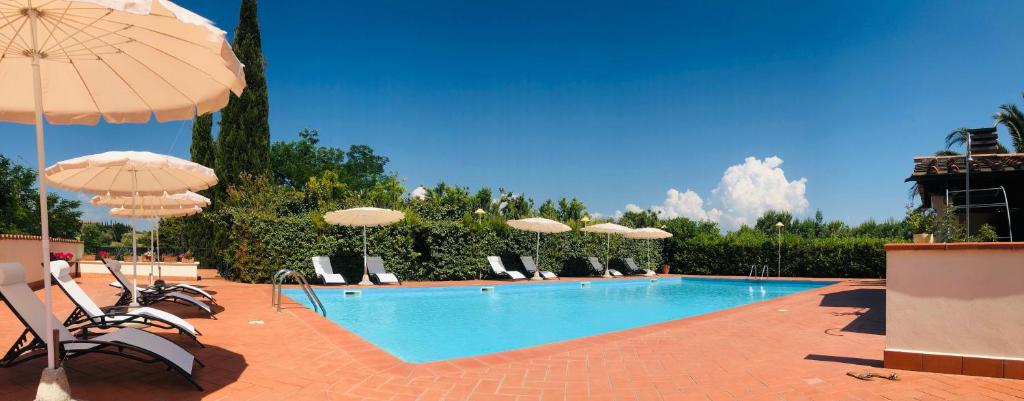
(585, 220)
(480, 215)
(779, 226)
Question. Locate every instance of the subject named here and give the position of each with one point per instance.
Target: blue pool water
(431, 324)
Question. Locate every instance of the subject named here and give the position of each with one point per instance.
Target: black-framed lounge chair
(127, 343)
(149, 296)
(531, 266)
(499, 269)
(599, 269)
(186, 289)
(634, 269)
(375, 267)
(88, 315)
(323, 269)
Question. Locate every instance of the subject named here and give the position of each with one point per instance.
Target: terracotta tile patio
(797, 347)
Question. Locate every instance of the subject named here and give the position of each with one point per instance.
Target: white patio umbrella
(131, 174)
(648, 233)
(364, 217)
(157, 207)
(609, 229)
(76, 60)
(538, 225)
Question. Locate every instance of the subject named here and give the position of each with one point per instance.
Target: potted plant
(665, 268)
(169, 258)
(186, 257)
(88, 256)
(921, 222)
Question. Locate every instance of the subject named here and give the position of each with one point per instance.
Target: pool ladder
(278, 284)
(754, 274)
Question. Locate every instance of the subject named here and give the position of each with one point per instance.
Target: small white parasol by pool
(538, 225)
(159, 213)
(185, 199)
(609, 229)
(648, 233)
(364, 217)
(131, 174)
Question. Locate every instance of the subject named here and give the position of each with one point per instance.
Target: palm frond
(1012, 118)
(957, 137)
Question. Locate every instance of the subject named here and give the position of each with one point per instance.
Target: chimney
(984, 141)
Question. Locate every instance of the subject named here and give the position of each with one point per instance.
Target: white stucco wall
(956, 300)
(28, 252)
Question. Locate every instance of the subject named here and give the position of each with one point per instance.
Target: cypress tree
(202, 149)
(243, 144)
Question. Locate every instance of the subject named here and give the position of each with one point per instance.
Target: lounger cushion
(386, 277)
(332, 278)
(546, 274)
(515, 275)
(147, 341)
(614, 272)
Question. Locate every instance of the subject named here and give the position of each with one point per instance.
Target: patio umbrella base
(536, 277)
(607, 274)
(366, 280)
(53, 386)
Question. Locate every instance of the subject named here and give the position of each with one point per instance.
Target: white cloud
(418, 193)
(745, 192)
(632, 208)
(684, 204)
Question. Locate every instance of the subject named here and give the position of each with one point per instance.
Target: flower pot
(187, 260)
(169, 259)
(924, 238)
(665, 268)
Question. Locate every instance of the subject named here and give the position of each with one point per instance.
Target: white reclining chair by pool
(128, 343)
(499, 269)
(188, 289)
(89, 315)
(324, 270)
(631, 264)
(599, 268)
(531, 266)
(375, 268)
(149, 295)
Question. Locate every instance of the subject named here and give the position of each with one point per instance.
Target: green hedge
(827, 257)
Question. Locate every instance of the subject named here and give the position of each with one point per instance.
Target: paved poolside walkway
(797, 347)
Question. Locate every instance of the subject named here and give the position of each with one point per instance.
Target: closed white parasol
(648, 233)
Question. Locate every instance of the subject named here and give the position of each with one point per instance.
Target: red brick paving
(797, 347)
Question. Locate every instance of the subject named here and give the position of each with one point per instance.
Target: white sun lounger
(631, 264)
(599, 269)
(323, 269)
(149, 296)
(531, 266)
(499, 269)
(375, 267)
(128, 343)
(89, 315)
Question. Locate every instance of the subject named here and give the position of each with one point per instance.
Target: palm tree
(958, 138)
(1011, 117)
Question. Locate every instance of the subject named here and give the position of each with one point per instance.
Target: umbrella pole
(135, 245)
(152, 256)
(366, 270)
(159, 267)
(536, 272)
(44, 213)
(608, 255)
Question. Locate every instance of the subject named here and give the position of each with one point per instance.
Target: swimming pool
(431, 324)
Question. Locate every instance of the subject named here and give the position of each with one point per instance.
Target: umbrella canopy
(364, 217)
(123, 60)
(124, 173)
(538, 225)
(120, 59)
(185, 199)
(161, 212)
(648, 233)
(607, 228)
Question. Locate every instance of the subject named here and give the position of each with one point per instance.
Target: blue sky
(618, 102)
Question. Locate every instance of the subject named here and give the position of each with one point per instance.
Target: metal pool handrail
(278, 283)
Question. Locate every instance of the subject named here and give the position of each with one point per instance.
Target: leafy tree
(1010, 116)
(571, 210)
(548, 210)
(513, 205)
(363, 168)
(294, 163)
(482, 200)
(243, 144)
(643, 218)
(766, 223)
(19, 204)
